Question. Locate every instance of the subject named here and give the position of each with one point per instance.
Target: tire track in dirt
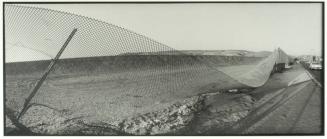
(257, 114)
(274, 109)
(302, 110)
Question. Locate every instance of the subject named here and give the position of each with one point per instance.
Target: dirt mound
(207, 52)
(109, 64)
(216, 108)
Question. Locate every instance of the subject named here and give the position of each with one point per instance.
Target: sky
(296, 28)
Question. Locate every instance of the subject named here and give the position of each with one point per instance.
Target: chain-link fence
(106, 73)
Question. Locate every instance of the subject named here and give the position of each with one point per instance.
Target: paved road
(317, 74)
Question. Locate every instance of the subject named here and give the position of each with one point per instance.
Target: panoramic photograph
(163, 69)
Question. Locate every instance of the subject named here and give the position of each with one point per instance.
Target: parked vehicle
(315, 66)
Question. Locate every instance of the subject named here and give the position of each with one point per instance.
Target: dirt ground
(283, 108)
(115, 97)
(180, 101)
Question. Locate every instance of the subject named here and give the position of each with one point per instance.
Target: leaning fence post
(50, 67)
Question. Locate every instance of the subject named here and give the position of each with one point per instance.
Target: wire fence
(105, 68)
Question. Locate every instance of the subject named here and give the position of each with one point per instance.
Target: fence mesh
(106, 73)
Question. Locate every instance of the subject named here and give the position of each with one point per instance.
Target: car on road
(315, 66)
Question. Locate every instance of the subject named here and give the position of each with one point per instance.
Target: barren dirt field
(111, 97)
(188, 99)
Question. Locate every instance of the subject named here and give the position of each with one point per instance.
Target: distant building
(310, 58)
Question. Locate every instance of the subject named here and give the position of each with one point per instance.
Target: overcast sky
(296, 28)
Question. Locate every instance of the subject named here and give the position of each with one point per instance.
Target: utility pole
(50, 67)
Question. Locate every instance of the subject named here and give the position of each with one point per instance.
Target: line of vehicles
(313, 62)
(315, 66)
